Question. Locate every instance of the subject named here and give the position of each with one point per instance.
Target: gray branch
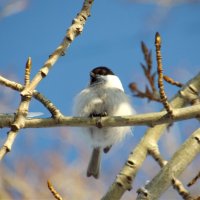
(181, 159)
(126, 176)
(149, 119)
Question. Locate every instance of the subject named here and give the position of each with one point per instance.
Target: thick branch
(181, 159)
(148, 119)
(127, 174)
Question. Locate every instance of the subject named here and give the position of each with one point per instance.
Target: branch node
(124, 181)
(26, 93)
(177, 185)
(191, 94)
(7, 148)
(15, 127)
(99, 123)
(155, 153)
(44, 71)
(197, 139)
(143, 193)
(62, 53)
(130, 163)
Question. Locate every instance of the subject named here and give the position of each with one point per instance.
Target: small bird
(103, 97)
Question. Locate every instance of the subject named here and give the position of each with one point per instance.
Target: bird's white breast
(110, 98)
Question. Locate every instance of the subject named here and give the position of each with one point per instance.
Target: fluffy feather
(109, 98)
(105, 94)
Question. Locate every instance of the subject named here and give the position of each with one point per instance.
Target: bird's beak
(93, 75)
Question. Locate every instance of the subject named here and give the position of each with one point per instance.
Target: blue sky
(111, 37)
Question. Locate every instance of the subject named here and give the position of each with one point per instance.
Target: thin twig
(18, 122)
(171, 81)
(148, 67)
(27, 71)
(177, 185)
(53, 191)
(55, 112)
(150, 93)
(163, 96)
(147, 94)
(74, 30)
(155, 153)
(178, 163)
(127, 174)
(194, 180)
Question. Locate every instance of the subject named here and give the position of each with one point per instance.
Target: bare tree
(184, 105)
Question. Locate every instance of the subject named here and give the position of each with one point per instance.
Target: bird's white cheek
(113, 82)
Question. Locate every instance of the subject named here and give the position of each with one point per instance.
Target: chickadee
(103, 97)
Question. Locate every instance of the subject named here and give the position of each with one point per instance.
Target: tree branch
(53, 191)
(155, 153)
(181, 159)
(74, 30)
(163, 96)
(55, 112)
(149, 119)
(194, 180)
(179, 187)
(127, 174)
(27, 71)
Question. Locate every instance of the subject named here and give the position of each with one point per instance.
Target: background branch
(74, 30)
(123, 181)
(53, 191)
(62, 156)
(181, 159)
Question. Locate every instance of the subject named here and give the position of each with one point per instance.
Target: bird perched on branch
(104, 96)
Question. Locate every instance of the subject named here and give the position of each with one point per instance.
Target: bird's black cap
(99, 71)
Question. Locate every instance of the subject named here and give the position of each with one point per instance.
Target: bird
(104, 96)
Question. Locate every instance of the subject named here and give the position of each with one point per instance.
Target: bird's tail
(95, 163)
